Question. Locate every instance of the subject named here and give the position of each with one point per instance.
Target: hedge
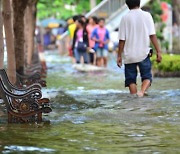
(170, 63)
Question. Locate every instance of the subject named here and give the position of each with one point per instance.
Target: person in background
(84, 19)
(40, 48)
(71, 30)
(81, 42)
(47, 37)
(101, 37)
(61, 29)
(90, 27)
(135, 32)
(72, 27)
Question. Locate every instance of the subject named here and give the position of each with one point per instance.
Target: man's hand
(120, 51)
(159, 57)
(156, 45)
(119, 61)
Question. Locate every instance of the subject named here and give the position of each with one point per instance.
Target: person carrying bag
(81, 42)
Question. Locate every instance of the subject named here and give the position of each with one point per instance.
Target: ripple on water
(110, 104)
(15, 148)
(95, 114)
(90, 149)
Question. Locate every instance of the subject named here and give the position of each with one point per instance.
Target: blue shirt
(95, 35)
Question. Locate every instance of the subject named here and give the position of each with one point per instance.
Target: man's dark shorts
(131, 71)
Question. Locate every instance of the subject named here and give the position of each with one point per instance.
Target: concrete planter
(162, 74)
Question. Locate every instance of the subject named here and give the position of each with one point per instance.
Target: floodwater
(93, 113)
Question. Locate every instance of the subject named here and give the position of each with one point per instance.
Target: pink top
(79, 35)
(101, 34)
(90, 29)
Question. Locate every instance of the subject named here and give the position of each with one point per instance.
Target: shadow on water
(65, 102)
(93, 113)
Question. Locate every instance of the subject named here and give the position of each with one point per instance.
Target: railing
(114, 20)
(105, 9)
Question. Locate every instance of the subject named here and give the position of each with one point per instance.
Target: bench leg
(39, 116)
(9, 118)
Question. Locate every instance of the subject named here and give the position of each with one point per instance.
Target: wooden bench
(30, 79)
(23, 104)
(32, 74)
(11, 87)
(36, 68)
(15, 89)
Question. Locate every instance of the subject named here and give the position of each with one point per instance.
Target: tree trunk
(19, 7)
(7, 18)
(176, 6)
(1, 39)
(30, 19)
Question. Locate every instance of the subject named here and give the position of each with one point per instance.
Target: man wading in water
(135, 32)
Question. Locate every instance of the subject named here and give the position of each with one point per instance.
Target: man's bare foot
(133, 95)
(140, 94)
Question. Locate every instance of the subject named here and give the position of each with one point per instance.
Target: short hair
(133, 3)
(81, 21)
(101, 19)
(95, 19)
(82, 16)
(75, 18)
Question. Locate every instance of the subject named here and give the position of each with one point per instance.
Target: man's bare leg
(144, 88)
(133, 88)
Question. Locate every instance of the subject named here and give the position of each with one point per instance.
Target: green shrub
(170, 63)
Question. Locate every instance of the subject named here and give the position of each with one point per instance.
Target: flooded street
(93, 113)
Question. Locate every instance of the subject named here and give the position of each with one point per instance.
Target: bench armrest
(34, 93)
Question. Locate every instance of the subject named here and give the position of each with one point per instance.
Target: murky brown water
(93, 113)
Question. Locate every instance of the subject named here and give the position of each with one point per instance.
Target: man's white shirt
(135, 28)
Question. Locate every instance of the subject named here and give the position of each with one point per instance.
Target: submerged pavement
(93, 112)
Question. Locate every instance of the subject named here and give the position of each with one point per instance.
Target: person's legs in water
(146, 76)
(105, 60)
(91, 58)
(99, 61)
(144, 87)
(105, 57)
(102, 62)
(77, 56)
(130, 77)
(85, 57)
(133, 88)
(95, 59)
(99, 57)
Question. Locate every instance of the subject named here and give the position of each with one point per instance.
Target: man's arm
(154, 41)
(120, 51)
